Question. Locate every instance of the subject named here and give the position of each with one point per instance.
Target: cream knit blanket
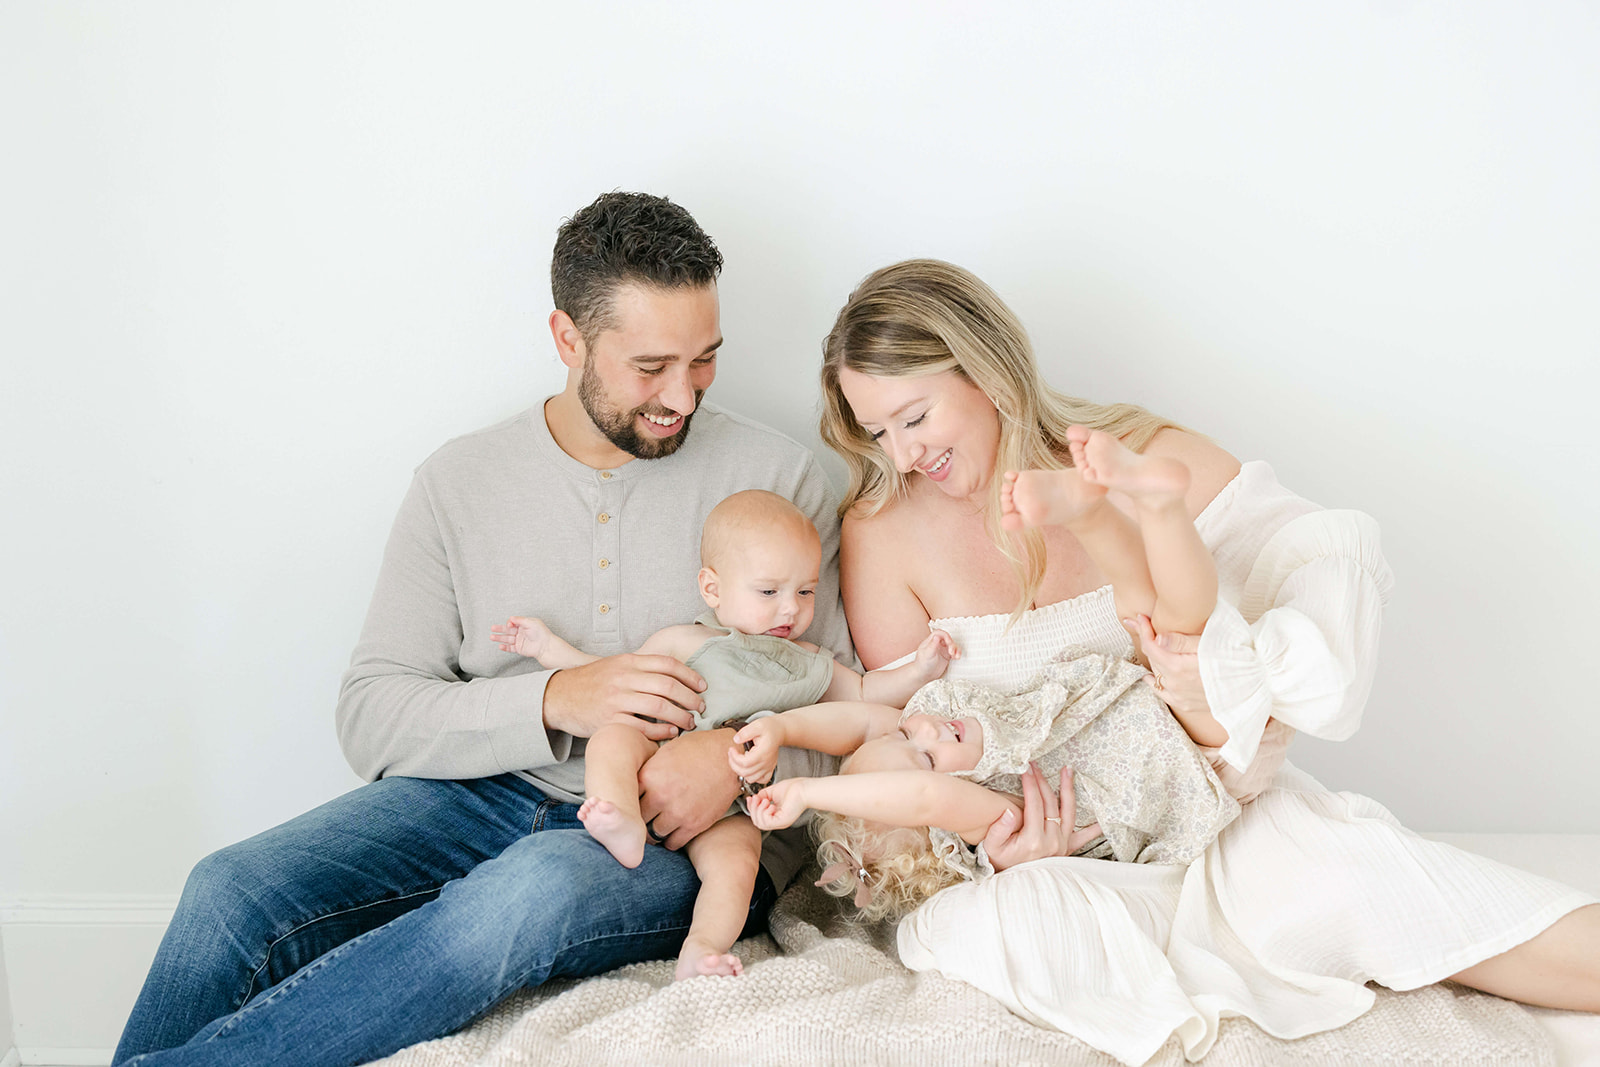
(835, 993)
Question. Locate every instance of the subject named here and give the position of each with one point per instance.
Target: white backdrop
(257, 261)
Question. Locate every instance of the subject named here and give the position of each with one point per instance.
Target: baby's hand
(935, 653)
(764, 737)
(522, 635)
(778, 805)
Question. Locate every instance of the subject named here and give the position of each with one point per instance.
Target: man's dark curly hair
(626, 237)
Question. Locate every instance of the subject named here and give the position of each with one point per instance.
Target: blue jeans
(395, 914)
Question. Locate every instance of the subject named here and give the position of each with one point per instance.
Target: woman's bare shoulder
(1210, 466)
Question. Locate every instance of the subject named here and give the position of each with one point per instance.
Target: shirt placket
(607, 556)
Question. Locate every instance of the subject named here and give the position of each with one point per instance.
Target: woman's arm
(899, 798)
(886, 618)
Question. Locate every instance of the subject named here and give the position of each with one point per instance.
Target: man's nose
(678, 393)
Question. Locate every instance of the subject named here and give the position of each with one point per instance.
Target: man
(460, 873)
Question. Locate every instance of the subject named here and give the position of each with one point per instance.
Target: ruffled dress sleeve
(1294, 636)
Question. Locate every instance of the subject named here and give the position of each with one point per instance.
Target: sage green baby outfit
(747, 673)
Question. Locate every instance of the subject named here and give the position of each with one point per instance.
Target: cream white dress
(1302, 900)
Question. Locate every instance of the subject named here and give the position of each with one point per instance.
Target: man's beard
(618, 426)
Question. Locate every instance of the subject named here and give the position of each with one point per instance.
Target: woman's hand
(1046, 826)
(1174, 667)
(1175, 676)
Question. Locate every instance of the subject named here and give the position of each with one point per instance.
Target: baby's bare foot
(622, 835)
(1151, 480)
(700, 957)
(1047, 498)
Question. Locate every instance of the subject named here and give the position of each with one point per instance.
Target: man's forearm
(391, 721)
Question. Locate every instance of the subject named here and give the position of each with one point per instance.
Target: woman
(930, 394)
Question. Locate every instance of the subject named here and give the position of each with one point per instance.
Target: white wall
(258, 260)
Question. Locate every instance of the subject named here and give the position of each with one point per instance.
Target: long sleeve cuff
(513, 724)
(1243, 666)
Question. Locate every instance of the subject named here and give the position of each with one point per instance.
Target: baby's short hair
(753, 510)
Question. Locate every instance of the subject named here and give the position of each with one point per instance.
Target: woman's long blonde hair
(925, 316)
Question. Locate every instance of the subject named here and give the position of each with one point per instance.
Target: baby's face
(923, 743)
(768, 583)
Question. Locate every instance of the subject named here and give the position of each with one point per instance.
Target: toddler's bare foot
(622, 835)
(1149, 480)
(701, 957)
(1047, 498)
(525, 636)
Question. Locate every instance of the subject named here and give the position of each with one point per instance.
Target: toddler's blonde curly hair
(887, 870)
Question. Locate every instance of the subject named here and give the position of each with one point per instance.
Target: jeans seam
(267, 959)
(307, 971)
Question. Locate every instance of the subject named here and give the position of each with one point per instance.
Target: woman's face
(940, 426)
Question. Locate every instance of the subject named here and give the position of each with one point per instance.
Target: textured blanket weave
(836, 993)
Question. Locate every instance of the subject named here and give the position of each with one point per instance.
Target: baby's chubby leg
(611, 765)
(1151, 481)
(726, 857)
(1070, 499)
(1048, 498)
(1181, 568)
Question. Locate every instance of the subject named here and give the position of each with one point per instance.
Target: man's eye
(651, 372)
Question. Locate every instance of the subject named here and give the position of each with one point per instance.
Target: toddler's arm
(899, 798)
(894, 687)
(837, 728)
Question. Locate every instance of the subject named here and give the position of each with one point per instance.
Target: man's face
(643, 378)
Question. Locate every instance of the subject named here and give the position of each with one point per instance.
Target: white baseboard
(65, 1057)
(75, 965)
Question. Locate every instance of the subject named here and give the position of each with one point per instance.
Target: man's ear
(569, 340)
(708, 588)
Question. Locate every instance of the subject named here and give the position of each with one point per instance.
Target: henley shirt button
(604, 608)
(605, 476)
(604, 564)
(604, 518)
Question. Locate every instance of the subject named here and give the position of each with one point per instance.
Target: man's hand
(687, 785)
(1047, 824)
(764, 737)
(629, 689)
(778, 805)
